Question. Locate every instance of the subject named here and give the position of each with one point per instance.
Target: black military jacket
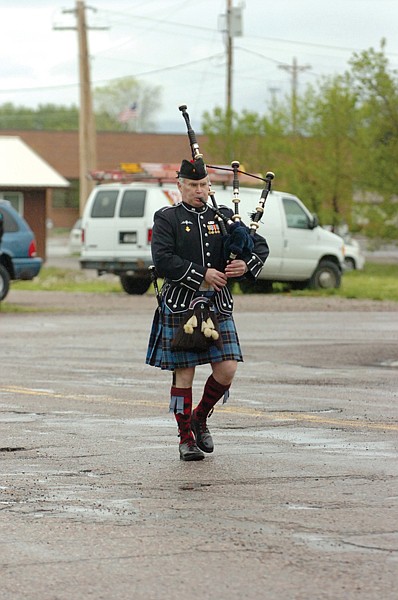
(187, 241)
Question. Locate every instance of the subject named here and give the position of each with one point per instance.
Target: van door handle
(285, 243)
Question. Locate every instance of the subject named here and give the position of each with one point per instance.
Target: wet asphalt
(298, 501)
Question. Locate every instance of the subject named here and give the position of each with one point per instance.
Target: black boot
(181, 404)
(190, 451)
(212, 393)
(202, 433)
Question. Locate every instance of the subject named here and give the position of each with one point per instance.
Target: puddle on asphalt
(303, 507)
(393, 364)
(312, 439)
(372, 543)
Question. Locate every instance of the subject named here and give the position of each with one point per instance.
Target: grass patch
(52, 279)
(374, 282)
(5, 307)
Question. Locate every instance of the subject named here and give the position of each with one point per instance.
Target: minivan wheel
(327, 275)
(133, 285)
(4, 282)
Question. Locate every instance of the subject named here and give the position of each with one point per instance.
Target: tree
(376, 86)
(252, 138)
(345, 144)
(314, 162)
(46, 116)
(112, 99)
(328, 117)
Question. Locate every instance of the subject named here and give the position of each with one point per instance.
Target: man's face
(194, 192)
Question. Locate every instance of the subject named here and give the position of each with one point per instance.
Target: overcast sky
(178, 45)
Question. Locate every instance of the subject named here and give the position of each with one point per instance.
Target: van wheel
(4, 282)
(133, 285)
(327, 275)
(261, 286)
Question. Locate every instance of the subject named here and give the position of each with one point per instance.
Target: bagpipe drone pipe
(238, 237)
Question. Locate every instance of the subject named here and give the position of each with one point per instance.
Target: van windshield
(133, 203)
(295, 216)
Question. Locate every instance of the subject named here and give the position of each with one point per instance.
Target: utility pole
(231, 25)
(229, 57)
(87, 132)
(294, 69)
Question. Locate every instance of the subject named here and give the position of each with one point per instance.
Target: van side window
(133, 203)
(104, 204)
(295, 216)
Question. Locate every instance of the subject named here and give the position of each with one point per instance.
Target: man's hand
(236, 268)
(215, 278)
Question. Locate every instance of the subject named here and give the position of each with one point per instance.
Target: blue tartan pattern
(164, 327)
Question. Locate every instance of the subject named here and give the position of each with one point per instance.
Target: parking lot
(298, 501)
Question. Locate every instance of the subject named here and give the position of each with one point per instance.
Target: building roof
(61, 148)
(20, 166)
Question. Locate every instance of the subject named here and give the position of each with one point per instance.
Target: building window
(15, 198)
(66, 197)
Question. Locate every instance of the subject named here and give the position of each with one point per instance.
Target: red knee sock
(212, 393)
(181, 405)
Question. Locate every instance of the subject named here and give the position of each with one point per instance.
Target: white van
(117, 228)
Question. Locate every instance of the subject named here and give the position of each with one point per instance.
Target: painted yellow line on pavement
(247, 411)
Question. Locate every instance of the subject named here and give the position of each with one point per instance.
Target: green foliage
(337, 149)
(110, 100)
(46, 116)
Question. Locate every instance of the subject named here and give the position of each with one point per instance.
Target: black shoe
(202, 434)
(190, 451)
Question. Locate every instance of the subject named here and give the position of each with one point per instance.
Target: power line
(252, 37)
(142, 74)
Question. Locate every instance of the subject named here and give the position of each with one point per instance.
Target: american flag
(128, 113)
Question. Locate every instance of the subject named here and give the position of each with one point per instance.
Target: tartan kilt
(164, 327)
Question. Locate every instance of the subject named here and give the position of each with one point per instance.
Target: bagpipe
(238, 237)
(200, 329)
